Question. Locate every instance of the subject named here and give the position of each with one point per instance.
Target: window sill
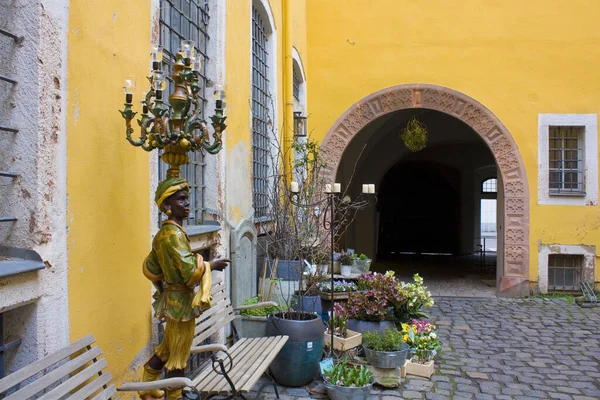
(19, 261)
(205, 228)
(567, 194)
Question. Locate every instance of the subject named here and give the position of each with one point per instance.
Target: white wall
(36, 106)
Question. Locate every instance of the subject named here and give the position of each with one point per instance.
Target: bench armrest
(257, 305)
(207, 348)
(158, 384)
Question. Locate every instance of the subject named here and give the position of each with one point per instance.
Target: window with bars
(296, 84)
(186, 20)
(566, 159)
(489, 186)
(260, 115)
(564, 272)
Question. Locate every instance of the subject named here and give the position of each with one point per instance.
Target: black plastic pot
(298, 361)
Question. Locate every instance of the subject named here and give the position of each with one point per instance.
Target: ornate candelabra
(182, 129)
(333, 201)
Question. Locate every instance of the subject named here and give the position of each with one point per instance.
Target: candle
(295, 187)
(337, 188)
(372, 188)
(365, 188)
(328, 188)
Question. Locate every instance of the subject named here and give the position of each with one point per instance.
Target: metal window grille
(260, 115)
(566, 159)
(489, 186)
(296, 84)
(564, 272)
(186, 19)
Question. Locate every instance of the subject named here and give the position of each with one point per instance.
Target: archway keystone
(515, 277)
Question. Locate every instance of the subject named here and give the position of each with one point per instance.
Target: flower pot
(251, 327)
(298, 361)
(289, 270)
(424, 370)
(348, 393)
(387, 359)
(324, 269)
(361, 266)
(365, 326)
(352, 340)
(346, 270)
(310, 304)
(336, 295)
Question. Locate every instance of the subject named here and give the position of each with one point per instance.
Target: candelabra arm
(128, 114)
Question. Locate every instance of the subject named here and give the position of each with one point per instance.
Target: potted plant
(425, 344)
(251, 321)
(385, 349)
(343, 338)
(421, 333)
(308, 297)
(321, 260)
(346, 262)
(346, 381)
(417, 296)
(373, 306)
(361, 263)
(294, 233)
(341, 289)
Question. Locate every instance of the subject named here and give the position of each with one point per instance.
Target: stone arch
(515, 272)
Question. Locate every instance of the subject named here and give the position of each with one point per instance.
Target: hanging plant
(414, 135)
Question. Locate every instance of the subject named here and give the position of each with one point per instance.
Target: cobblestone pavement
(503, 349)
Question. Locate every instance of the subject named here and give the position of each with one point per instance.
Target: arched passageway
(465, 137)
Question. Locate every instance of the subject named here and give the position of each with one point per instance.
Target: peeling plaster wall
(37, 154)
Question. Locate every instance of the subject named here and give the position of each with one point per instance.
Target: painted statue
(183, 281)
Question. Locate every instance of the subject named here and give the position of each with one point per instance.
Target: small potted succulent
(361, 263)
(385, 349)
(346, 381)
(346, 261)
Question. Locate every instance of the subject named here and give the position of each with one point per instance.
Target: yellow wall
(108, 180)
(517, 58)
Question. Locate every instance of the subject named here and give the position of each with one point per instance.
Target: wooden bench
(74, 372)
(237, 370)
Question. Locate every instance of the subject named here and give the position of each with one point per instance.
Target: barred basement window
(260, 115)
(564, 272)
(566, 159)
(186, 20)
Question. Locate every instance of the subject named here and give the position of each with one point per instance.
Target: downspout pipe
(288, 90)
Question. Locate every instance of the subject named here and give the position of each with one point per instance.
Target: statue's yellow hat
(168, 187)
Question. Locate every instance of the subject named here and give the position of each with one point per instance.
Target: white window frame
(590, 159)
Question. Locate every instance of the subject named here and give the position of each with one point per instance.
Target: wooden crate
(424, 370)
(352, 340)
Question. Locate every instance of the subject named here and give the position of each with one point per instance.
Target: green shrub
(388, 340)
(257, 312)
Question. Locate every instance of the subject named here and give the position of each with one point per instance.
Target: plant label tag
(309, 346)
(326, 365)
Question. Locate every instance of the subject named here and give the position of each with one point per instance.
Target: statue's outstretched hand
(219, 264)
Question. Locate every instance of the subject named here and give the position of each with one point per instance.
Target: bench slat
(255, 356)
(251, 351)
(203, 376)
(251, 358)
(55, 375)
(40, 365)
(213, 329)
(92, 387)
(107, 393)
(75, 381)
(260, 369)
